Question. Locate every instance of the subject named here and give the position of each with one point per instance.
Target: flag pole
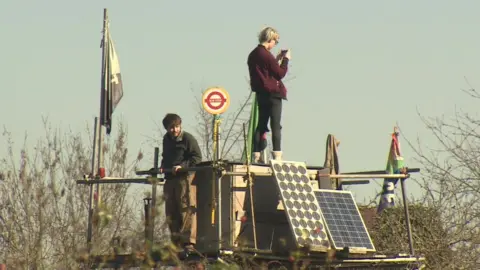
(91, 197)
(102, 105)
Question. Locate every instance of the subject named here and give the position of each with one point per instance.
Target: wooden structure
(226, 226)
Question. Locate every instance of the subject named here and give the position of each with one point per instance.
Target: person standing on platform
(266, 74)
(180, 150)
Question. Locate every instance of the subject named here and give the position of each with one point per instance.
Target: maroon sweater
(266, 74)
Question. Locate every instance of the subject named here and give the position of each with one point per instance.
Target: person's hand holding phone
(279, 56)
(282, 54)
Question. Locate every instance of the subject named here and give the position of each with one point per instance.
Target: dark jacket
(266, 74)
(183, 151)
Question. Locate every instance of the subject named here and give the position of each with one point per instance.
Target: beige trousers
(180, 208)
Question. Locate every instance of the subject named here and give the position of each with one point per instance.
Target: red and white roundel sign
(215, 100)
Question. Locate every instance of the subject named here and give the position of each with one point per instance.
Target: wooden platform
(230, 235)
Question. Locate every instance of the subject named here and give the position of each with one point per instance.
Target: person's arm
(194, 153)
(278, 71)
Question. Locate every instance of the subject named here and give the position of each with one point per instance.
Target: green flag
(252, 125)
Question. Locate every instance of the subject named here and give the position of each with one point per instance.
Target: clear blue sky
(360, 66)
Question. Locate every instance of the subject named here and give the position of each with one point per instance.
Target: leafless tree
(231, 136)
(451, 181)
(389, 234)
(43, 212)
(231, 127)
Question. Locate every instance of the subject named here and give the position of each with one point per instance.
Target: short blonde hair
(267, 34)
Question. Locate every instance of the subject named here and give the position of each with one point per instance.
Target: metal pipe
(217, 137)
(244, 173)
(218, 178)
(103, 113)
(397, 260)
(153, 206)
(158, 171)
(147, 206)
(363, 176)
(90, 219)
(358, 176)
(356, 182)
(219, 207)
(232, 221)
(146, 181)
(409, 170)
(407, 217)
(90, 195)
(111, 180)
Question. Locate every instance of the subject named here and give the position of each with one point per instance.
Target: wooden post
(407, 218)
(250, 186)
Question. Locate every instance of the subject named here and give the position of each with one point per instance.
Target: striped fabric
(395, 163)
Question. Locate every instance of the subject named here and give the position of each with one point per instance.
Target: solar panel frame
(301, 207)
(330, 223)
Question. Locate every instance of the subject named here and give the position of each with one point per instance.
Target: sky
(359, 67)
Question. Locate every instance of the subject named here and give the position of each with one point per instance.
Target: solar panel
(344, 222)
(301, 207)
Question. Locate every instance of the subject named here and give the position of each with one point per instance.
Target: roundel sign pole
(215, 100)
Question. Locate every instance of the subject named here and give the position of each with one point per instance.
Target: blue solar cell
(343, 220)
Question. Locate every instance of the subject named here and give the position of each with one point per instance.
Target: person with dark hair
(266, 74)
(180, 150)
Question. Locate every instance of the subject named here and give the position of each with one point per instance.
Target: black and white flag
(111, 80)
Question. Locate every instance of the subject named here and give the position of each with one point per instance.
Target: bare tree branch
(231, 126)
(44, 212)
(450, 180)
